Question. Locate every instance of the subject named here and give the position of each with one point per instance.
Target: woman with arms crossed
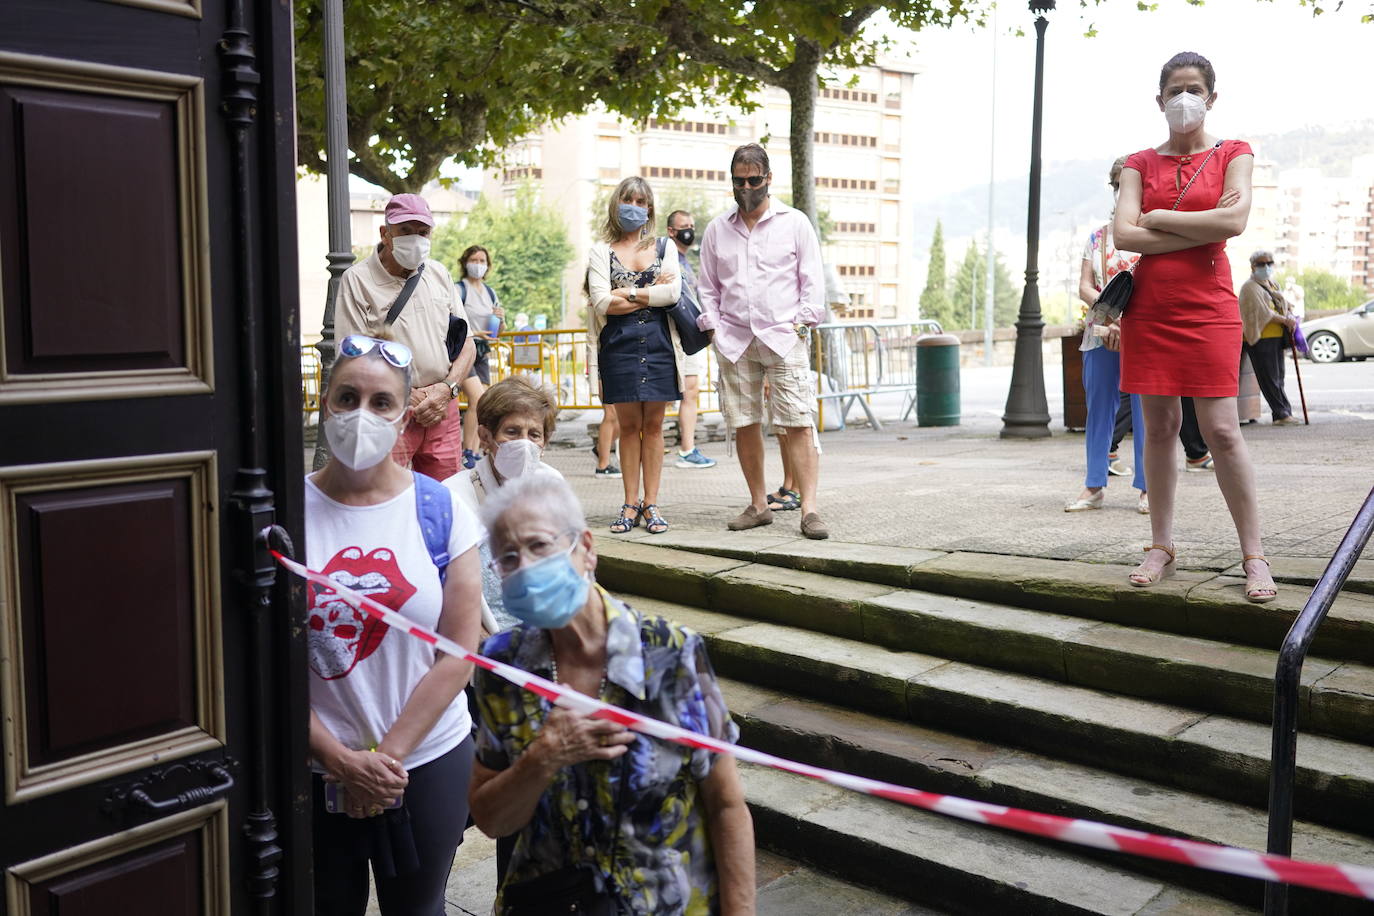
(1181, 336)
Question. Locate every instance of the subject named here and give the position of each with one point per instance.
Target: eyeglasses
(538, 547)
(754, 181)
(355, 345)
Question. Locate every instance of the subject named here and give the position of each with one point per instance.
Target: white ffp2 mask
(409, 251)
(1185, 112)
(359, 438)
(516, 457)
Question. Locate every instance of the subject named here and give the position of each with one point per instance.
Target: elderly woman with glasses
(390, 748)
(603, 819)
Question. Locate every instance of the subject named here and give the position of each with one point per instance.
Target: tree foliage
(529, 249)
(969, 286)
(935, 303)
(1323, 291)
(790, 44)
(463, 79)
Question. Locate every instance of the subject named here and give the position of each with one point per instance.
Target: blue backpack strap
(462, 291)
(434, 509)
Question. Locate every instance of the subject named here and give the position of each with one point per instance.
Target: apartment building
(864, 128)
(1325, 222)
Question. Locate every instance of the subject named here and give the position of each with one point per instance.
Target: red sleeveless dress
(1181, 334)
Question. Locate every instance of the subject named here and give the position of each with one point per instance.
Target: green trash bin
(937, 380)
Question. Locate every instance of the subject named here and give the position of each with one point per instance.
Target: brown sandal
(1259, 594)
(1145, 580)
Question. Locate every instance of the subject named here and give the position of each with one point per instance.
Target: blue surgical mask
(1266, 272)
(548, 593)
(632, 217)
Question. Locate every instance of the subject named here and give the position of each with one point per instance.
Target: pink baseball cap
(406, 207)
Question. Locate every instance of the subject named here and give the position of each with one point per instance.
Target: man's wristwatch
(452, 389)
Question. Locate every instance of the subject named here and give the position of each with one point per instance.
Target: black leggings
(435, 814)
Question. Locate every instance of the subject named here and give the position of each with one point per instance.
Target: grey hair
(1260, 253)
(548, 493)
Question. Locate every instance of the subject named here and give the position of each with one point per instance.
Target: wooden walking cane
(1293, 341)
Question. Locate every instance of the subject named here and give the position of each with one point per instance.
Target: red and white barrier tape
(1351, 880)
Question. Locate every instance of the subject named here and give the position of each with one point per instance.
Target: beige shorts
(695, 363)
(791, 390)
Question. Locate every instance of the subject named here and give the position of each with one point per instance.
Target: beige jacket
(1257, 303)
(661, 295)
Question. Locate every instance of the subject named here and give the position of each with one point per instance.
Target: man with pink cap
(432, 441)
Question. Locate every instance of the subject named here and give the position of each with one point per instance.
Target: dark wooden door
(152, 692)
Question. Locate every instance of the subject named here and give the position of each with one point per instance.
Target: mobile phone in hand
(334, 798)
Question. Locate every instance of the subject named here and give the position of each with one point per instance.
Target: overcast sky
(1278, 68)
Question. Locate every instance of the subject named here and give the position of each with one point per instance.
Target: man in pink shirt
(762, 291)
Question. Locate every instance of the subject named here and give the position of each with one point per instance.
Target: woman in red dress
(1181, 335)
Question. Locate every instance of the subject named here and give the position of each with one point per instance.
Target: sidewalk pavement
(963, 488)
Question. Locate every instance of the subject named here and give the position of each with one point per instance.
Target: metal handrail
(1292, 654)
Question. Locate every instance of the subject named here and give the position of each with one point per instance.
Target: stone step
(946, 863)
(1195, 602)
(1216, 755)
(898, 752)
(1336, 698)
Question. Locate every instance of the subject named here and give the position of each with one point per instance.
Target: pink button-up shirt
(760, 284)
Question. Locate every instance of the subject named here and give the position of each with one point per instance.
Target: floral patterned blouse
(662, 861)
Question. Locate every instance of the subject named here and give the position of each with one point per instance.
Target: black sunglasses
(754, 181)
(1264, 263)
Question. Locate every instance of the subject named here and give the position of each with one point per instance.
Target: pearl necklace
(553, 671)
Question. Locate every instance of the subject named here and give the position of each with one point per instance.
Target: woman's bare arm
(1225, 221)
(1127, 233)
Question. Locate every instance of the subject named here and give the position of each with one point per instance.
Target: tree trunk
(800, 81)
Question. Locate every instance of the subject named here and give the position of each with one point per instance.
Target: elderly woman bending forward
(623, 822)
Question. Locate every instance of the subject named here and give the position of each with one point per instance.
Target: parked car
(1346, 336)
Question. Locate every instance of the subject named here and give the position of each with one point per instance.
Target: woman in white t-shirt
(390, 742)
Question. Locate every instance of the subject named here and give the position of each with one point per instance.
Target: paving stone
(1085, 725)
(837, 738)
(802, 599)
(656, 572)
(1305, 571)
(1217, 608)
(1341, 703)
(811, 664)
(945, 862)
(1335, 779)
(973, 631)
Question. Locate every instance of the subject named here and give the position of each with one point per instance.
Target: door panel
(145, 619)
(153, 693)
(122, 149)
(173, 868)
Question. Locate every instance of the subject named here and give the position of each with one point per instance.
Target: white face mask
(1185, 112)
(476, 271)
(516, 457)
(360, 438)
(409, 251)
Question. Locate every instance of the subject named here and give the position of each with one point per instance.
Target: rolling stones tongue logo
(340, 636)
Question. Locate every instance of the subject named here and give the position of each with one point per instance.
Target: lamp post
(336, 184)
(1028, 413)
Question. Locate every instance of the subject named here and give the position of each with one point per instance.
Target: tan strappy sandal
(1145, 580)
(1259, 594)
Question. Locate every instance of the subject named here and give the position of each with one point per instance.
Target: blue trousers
(1102, 385)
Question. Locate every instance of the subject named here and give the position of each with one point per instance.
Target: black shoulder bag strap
(396, 307)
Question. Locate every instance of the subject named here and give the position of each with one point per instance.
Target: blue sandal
(655, 523)
(784, 500)
(625, 522)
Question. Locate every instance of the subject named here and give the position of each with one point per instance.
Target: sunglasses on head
(754, 181)
(355, 345)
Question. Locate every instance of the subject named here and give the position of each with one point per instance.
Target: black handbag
(573, 890)
(684, 313)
